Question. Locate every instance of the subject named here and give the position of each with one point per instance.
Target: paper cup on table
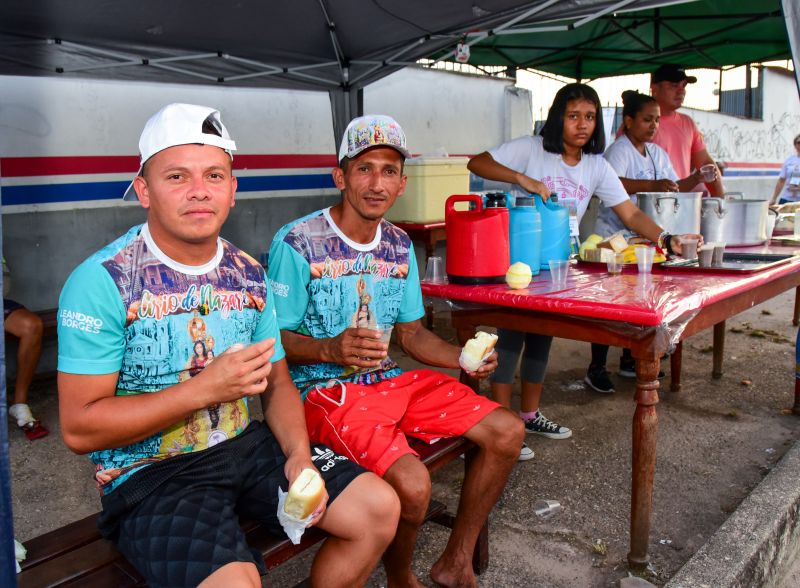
(705, 255)
(434, 271)
(689, 248)
(708, 172)
(615, 264)
(644, 259)
(558, 272)
(719, 253)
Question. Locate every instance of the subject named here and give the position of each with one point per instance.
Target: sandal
(34, 430)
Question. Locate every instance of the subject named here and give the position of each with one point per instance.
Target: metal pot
(675, 212)
(736, 222)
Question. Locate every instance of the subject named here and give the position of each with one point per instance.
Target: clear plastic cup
(615, 264)
(644, 259)
(434, 271)
(719, 253)
(689, 248)
(705, 255)
(558, 272)
(546, 509)
(708, 172)
(386, 332)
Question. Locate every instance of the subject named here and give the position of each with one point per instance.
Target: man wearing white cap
(164, 336)
(343, 277)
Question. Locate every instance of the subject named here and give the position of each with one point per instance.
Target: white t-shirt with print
(592, 174)
(790, 171)
(629, 163)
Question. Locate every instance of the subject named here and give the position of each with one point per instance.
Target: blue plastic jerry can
(525, 233)
(555, 231)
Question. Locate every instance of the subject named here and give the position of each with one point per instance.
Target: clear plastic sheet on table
(631, 304)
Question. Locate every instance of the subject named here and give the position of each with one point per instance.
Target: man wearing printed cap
(342, 277)
(677, 134)
(164, 337)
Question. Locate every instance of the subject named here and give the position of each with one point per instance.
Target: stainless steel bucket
(735, 221)
(675, 212)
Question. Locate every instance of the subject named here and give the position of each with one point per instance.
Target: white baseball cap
(180, 124)
(372, 130)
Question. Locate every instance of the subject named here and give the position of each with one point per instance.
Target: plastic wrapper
(657, 305)
(467, 363)
(20, 553)
(293, 527)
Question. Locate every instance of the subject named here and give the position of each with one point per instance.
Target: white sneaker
(21, 413)
(525, 453)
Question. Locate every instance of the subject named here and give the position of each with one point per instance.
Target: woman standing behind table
(566, 159)
(642, 166)
(788, 187)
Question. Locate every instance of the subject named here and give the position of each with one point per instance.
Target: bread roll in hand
(304, 495)
(476, 351)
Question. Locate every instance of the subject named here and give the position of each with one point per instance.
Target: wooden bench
(76, 554)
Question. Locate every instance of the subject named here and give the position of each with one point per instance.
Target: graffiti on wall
(771, 142)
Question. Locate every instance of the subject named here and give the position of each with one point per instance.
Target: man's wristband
(665, 242)
(668, 244)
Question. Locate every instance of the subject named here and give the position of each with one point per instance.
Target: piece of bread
(304, 495)
(476, 349)
(615, 242)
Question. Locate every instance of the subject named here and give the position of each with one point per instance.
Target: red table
(649, 313)
(429, 233)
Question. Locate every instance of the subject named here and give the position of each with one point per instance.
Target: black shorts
(10, 306)
(177, 521)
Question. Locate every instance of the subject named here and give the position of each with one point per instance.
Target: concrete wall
(767, 143)
(445, 112)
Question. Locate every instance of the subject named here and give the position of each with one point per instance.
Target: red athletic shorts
(368, 424)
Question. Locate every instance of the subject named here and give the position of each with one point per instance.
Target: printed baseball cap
(372, 130)
(671, 73)
(180, 124)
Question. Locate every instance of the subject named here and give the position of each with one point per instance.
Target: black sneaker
(627, 369)
(597, 379)
(541, 425)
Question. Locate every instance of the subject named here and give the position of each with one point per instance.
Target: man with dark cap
(677, 133)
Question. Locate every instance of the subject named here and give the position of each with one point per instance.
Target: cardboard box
(431, 180)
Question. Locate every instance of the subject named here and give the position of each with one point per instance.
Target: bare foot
(409, 580)
(454, 576)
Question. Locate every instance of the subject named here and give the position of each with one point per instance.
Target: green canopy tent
(700, 34)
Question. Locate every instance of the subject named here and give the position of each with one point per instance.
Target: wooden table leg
(643, 459)
(796, 315)
(719, 350)
(675, 361)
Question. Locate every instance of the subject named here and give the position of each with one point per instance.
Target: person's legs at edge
(509, 349)
(534, 366)
(362, 523)
(597, 377)
(532, 372)
(498, 437)
(410, 479)
(27, 327)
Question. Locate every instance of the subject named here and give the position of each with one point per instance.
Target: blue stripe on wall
(747, 173)
(47, 193)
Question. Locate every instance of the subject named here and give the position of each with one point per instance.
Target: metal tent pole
(8, 574)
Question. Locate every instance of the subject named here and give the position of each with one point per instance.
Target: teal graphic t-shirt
(131, 309)
(323, 283)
